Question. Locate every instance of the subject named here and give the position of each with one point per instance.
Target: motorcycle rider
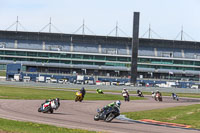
(82, 90)
(158, 96)
(47, 100)
(174, 96)
(56, 102)
(139, 93)
(113, 104)
(125, 93)
(158, 92)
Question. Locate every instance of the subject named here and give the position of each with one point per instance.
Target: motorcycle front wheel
(39, 110)
(46, 110)
(96, 117)
(76, 99)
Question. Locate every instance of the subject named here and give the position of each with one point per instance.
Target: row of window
(166, 61)
(97, 63)
(97, 57)
(63, 61)
(169, 67)
(65, 55)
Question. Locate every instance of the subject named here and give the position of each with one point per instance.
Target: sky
(166, 18)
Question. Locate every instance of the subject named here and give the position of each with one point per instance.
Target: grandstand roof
(58, 37)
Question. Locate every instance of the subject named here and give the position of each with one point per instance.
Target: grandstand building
(99, 55)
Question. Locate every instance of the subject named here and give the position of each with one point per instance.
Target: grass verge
(29, 127)
(12, 92)
(188, 115)
(2, 73)
(191, 95)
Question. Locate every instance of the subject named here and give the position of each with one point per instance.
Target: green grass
(12, 92)
(188, 115)
(2, 73)
(29, 127)
(191, 95)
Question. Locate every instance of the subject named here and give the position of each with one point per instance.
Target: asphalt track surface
(80, 115)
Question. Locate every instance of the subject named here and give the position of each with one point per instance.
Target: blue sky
(166, 17)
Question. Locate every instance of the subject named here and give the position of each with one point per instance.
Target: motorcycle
(107, 114)
(126, 96)
(79, 96)
(158, 97)
(49, 106)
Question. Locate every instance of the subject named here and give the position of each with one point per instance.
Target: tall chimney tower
(135, 45)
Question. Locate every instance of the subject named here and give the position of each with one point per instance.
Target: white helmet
(124, 88)
(118, 103)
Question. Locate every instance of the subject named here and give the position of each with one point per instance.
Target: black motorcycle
(107, 114)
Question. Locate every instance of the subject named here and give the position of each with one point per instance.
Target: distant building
(99, 55)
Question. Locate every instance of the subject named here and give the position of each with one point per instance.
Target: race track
(80, 115)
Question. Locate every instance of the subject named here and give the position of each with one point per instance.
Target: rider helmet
(48, 100)
(57, 99)
(118, 103)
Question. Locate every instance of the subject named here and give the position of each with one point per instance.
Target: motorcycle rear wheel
(51, 110)
(160, 99)
(110, 117)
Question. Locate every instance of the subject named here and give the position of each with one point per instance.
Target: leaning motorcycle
(107, 114)
(79, 96)
(49, 106)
